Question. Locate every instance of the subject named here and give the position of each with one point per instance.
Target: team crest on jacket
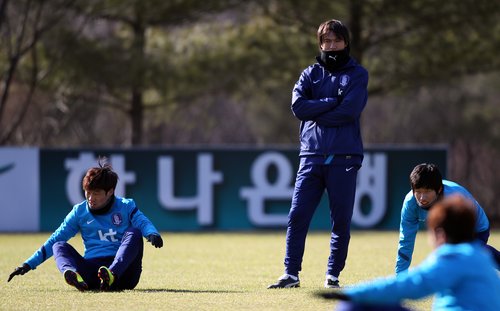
(116, 219)
(344, 79)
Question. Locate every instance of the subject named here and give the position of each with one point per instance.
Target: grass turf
(206, 271)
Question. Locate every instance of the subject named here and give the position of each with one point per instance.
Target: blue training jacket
(329, 106)
(412, 215)
(462, 277)
(101, 234)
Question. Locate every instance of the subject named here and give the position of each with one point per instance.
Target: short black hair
(100, 178)
(337, 27)
(426, 175)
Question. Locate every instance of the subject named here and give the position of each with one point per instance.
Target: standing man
(328, 99)
(111, 228)
(427, 188)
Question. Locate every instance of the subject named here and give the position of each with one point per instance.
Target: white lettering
(263, 190)
(371, 185)
(104, 236)
(78, 167)
(124, 177)
(203, 201)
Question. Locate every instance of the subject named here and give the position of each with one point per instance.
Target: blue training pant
(126, 265)
(339, 181)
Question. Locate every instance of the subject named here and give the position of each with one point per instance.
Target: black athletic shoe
(286, 281)
(331, 283)
(107, 278)
(73, 278)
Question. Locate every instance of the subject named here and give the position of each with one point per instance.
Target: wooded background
(135, 73)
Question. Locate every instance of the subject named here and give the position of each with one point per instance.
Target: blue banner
(225, 189)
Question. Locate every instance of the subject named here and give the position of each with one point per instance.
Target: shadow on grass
(171, 290)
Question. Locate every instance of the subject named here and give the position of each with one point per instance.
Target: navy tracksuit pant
(338, 178)
(126, 265)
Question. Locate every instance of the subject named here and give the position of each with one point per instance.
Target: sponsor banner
(19, 190)
(225, 189)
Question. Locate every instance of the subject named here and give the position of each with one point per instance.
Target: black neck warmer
(333, 60)
(105, 209)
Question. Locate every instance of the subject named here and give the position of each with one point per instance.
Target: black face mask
(333, 60)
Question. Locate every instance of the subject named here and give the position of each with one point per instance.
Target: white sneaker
(286, 281)
(331, 281)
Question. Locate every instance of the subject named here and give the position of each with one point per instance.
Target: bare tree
(22, 24)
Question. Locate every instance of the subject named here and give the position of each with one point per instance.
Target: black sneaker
(73, 278)
(107, 278)
(286, 281)
(331, 283)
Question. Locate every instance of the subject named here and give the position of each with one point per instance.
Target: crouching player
(427, 188)
(460, 272)
(111, 228)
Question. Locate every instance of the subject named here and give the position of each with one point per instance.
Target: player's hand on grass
(21, 270)
(155, 240)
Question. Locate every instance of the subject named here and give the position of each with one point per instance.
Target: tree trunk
(137, 105)
(355, 18)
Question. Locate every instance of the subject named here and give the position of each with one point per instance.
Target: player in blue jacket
(460, 272)
(428, 187)
(328, 99)
(111, 228)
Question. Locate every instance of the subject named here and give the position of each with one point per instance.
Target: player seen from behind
(460, 272)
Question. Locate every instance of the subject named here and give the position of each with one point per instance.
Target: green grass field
(206, 271)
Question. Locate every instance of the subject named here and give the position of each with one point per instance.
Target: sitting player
(111, 228)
